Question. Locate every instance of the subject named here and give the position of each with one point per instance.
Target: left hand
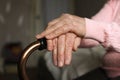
(64, 24)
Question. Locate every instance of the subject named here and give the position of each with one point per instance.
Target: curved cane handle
(39, 44)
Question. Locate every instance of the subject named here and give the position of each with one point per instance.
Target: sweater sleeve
(106, 13)
(100, 16)
(108, 34)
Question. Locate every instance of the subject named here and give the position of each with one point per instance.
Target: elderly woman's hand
(64, 35)
(62, 48)
(64, 24)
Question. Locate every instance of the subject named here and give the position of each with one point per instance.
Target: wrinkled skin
(63, 36)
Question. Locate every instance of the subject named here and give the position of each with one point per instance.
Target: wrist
(94, 30)
(83, 32)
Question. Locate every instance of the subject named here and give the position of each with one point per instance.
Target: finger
(57, 32)
(50, 42)
(76, 43)
(61, 48)
(53, 22)
(54, 54)
(68, 47)
(50, 29)
(50, 45)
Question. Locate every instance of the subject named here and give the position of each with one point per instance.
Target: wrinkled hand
(64, 24)
(63, 36)
(62, 48)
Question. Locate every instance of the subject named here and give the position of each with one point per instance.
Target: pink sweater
(104, 28)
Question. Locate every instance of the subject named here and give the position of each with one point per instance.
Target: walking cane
(39, 44)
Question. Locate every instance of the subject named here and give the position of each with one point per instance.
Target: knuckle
(56, 33)
(69, 44)
(67, 16)
(64, 14)
(63, 29)
(72, 36)
(69, 27)
(50, 23)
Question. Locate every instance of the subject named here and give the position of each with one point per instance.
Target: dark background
(21, 20)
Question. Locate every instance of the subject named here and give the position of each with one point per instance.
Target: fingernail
(60, 64)
(55, 63)
(67, 62)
